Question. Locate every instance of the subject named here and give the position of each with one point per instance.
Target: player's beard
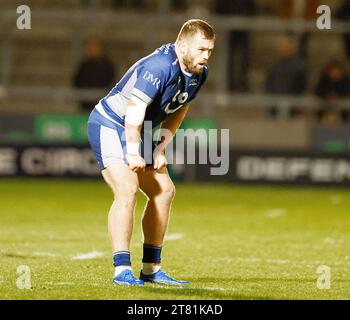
(190, 66)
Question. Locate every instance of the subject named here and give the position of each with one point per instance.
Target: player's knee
(164, 193)
(127, 193)
(168, 193)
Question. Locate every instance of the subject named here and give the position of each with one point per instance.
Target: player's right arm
(151, 77)
(134, 117)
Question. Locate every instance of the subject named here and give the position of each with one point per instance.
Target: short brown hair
(193, 26)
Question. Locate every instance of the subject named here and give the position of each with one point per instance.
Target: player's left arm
(168, 130)
(173, 122)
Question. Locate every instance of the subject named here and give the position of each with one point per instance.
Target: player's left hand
(159, 159)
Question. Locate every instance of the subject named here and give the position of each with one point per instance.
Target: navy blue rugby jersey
(158, 80)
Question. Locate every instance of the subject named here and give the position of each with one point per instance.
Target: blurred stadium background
(270, 84)
(277, 82)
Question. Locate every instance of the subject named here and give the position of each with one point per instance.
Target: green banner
(61, 128)
(199, 124)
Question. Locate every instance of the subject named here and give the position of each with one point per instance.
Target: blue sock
(151, 254)
(121, 258)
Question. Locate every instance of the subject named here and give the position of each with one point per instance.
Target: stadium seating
(49, 53)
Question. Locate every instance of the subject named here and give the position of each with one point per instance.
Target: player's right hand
(136, 162)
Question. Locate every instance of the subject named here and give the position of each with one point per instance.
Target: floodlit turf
(230, 242)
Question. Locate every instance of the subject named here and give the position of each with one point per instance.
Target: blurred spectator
(344, 14)
(94, 71)
(287, 75)
(333, 83)
(299, 9)
(309, 14)
(239, 43)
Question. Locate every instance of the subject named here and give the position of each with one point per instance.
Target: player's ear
(183, 46)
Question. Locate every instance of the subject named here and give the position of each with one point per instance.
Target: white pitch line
(174, 236)
(186, 287)
(46, 254)
(217, 289)
(88, 255)
(60, 283)
(275, 213)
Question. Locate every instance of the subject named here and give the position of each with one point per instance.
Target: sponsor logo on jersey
(151, 78)
(193, 82)
(166, 48)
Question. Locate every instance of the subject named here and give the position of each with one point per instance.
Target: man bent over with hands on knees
(157, 89)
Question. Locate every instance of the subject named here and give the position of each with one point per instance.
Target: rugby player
(156, 89)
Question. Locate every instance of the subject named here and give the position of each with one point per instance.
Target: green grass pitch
(230, 242)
